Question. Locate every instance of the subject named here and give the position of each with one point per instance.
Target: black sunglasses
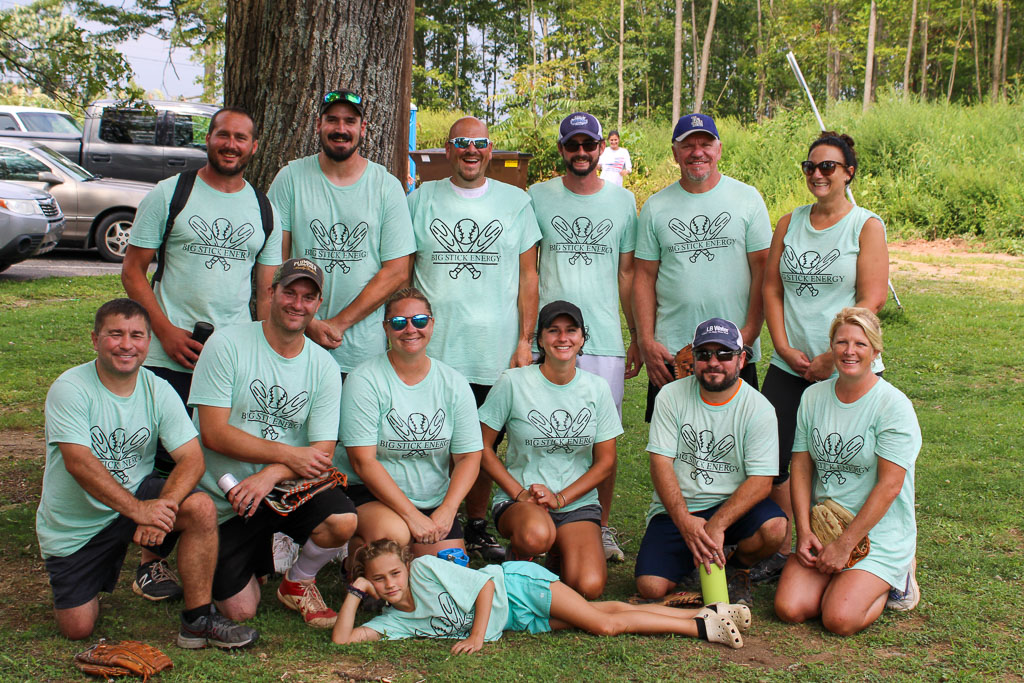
(574, 145)
(827, 167)
(342, 96)
(723, 355)
(464, 143)
(398, 322)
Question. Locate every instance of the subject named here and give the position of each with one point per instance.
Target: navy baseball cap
(694, 123)
(579, 122)
(718, 331)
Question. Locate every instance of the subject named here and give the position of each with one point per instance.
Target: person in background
(614, 163)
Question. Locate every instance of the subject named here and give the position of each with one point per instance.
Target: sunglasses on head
(827, 167)
(463, 143)
(398, 322)
(723, 355)
(342, 96)
(574, 145)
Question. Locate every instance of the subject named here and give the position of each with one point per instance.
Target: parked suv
(31, 223)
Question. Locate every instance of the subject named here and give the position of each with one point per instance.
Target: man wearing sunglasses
(701, 249)
(348, 215)
(586, 256)
(714, 451)
(476, 260)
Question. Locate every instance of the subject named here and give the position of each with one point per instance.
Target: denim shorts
(587, 513)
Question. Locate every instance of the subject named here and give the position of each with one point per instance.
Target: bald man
(476, 260)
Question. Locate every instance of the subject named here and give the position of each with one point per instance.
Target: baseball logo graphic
(416, 434)
(338, 244)
(808, 269)
(465, 244)
(832, 457)
(701, 236)
(117, 451)
(561, 430)
(705, 453)
(220, 242)
(275, 408)
(581, 238)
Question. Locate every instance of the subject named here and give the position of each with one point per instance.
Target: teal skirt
(529, 596)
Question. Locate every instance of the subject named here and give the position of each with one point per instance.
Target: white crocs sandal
(720, 629)
(737, 614)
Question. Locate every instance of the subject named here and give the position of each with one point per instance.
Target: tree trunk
(997, 51)
(1006, 48)
(956, 54)
(924, 53)
(622, 45)
(910, 49)
(282, 55)
(705, 57)
(693, 38)
(977, 57)
(761, 76)
(677, 62)
(832, 75)
(869, 64)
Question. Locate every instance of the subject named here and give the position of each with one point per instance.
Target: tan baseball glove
(829, 520)
(684, 362)
(126, 658)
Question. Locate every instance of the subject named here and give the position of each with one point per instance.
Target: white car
(37, 120)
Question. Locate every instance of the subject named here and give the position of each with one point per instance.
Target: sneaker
(214, 629)
(612, 551)
(157, 581)
(769, 569)
(285, 552)
(738, 581)
(906, 599)
(480, 542)
(304, 597)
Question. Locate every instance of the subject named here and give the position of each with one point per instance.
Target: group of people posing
(398, 341)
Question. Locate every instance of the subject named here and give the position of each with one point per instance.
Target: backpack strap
(266, 216)
(182, 190)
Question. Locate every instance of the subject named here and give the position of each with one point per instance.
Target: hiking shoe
(156, 581)
(738, 581)
(214, 629)
(612, 551)
(480, 542)
(906, 599)
(304, 597)
(769, 569)
(285, 552)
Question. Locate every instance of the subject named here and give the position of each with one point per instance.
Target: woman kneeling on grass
(857, 439)
(433, 598)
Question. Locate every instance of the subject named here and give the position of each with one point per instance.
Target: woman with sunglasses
(824, 256)
(562, 424)
(857, 439)
(405, 418)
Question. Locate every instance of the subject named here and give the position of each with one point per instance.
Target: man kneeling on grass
(103, 420)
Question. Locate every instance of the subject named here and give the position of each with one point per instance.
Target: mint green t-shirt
(211, 251)
(845, 441)
(819, 278)
(121, 431)
(349, 231)
(551, 428)
(714, 447)
(583, 236)
(467, 263)
(445, 602)
(702, 241)
(415, 428)
(290, 400)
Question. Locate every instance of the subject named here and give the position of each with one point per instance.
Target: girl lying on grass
(432, 598)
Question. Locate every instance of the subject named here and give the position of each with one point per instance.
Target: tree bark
(869, 64)
(924, 53)
(761, 75)
(997, 52)
(977, 57)
(677, 62)
(622, 45)
(705, 56)
(832, 75)
(281, 56)
(1006, 49)
(910, 49)
(956, 54)
(693, 38)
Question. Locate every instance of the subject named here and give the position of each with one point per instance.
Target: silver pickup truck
(147, 144)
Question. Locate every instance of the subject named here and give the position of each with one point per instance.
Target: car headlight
(26, 207)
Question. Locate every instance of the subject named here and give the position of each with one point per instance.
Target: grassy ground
(954, 350)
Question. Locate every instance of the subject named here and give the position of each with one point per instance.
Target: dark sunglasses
(827, 167)
(574, 145)
(723, 355)
(342, 96)
(463, 143)
(398, 322)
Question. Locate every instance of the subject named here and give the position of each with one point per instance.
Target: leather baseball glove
(680, 599)
(828, 521)
(684, 362)
(126, 658)
(289, 494)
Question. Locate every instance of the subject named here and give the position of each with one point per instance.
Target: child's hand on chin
(467, 646)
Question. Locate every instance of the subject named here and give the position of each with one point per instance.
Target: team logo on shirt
(466, 245)
(581, 238)
(453, 622)
(117, 451)
(221, 241)
(701, 236)
(417, 435)
(832, 457)
(560, 430)
(808, 269)
(705, 454)
(275, 408)
(338, 244)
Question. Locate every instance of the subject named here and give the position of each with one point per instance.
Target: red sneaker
(305, 598)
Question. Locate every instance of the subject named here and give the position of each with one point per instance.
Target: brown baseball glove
(680, 599)
(684, 362)
(289, 494)
(828, 521)
(126, 658)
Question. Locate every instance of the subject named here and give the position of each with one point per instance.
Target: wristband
(356, 592)
(516, 499)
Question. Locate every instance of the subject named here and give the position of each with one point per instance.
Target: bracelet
(563, 500)
(516, 499)
(356, 592)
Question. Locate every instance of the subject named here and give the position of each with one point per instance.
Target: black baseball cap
(556, 308)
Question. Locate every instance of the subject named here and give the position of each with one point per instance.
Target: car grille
(49, 207)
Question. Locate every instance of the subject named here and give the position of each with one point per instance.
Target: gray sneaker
(157, 581)
(906, 599)
(214, 629)
(738, 581)
(612, 551)
(769, 569)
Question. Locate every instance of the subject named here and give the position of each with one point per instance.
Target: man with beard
(586, 256)
(208, 255)
(714, 451)
(701, 249)
(476, 261)
(349, 215)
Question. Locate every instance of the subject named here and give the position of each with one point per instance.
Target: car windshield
(47, 122)
(65, 164)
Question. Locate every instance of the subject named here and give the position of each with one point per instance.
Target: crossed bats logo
(581, 238)
(117, 451)
(339, 244)
(705, 453)
(416, 431)
(701, 235)
(275, 408)
(221, 241)
(832, 456)
(808, 268)
(465, 244)
(453, 622)
(561, 429)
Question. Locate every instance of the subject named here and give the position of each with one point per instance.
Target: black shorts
(181, 382)
(783, 391)
(79, 577)
(361, 495)
(587, 513)
(480, 392)
(246, 546)
(748, 374)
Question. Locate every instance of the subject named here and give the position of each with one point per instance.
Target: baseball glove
(289, 494)
(126, 658)
(680, 599)
(828, 521)
(684, 362)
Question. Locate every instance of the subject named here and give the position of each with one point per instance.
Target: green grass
(954, 351)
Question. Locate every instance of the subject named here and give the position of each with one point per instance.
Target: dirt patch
(951, 258)
(16, 443)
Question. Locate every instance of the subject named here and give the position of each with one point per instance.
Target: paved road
(61, 263)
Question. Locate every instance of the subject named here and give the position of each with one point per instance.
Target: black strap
(266, 216)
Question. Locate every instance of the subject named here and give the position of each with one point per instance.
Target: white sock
(311, 559)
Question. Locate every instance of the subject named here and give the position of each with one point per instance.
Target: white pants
(612, 369)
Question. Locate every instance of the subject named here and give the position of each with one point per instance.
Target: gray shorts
(587, 513)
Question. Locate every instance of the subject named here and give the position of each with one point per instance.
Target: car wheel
(112, 235)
